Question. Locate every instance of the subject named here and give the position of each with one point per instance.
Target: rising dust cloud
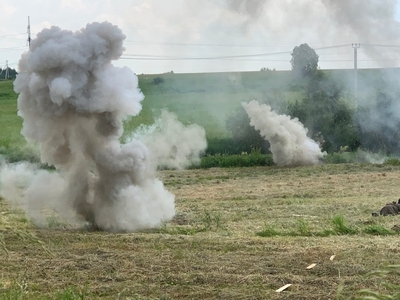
(172, 144)
(289, 143)
(73, 102)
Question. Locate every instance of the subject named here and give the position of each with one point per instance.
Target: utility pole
(29, 33)
(6, 74)
(355, 47)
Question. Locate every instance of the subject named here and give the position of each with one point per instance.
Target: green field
(239, 233)
(205, 99)
(10, 123)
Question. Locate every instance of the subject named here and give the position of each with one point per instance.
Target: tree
(245, 137)
(12, 73)
(304, 61)
(378, 123)
(326, 115)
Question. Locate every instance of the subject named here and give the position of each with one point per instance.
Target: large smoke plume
(73, 102)
(289, 143)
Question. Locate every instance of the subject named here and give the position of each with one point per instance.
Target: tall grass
(338, 227)
(388, 277)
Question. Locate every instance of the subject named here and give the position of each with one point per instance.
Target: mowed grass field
(213, 248)
(239, 233)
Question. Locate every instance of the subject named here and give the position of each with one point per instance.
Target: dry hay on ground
(211, 249)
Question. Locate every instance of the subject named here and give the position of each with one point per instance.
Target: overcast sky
(189, 36)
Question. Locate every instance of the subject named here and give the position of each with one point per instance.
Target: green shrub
(70, 294)
(158, 80)
(340, 158)
(13, 155)
(226, 146)
(241, 160)
(268, 231)
(392, 162)
(303, 228)
(339, 226)
(377, 230)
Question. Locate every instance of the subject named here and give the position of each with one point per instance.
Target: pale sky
(189, 36)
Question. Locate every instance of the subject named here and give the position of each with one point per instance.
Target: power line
(377, 45)
(332, 47)
(156, 57)
(13, 34)
(148, 57)
(229, 45)
(12, 48)
(207, 45)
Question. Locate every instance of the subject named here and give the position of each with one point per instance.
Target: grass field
(238, 234)
(10, 123)
(205, 99)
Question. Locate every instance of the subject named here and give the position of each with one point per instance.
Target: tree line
(11, 74)
(331, 118)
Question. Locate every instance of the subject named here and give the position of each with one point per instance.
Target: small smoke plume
(171, 144)
(288, 139)
(73, 101)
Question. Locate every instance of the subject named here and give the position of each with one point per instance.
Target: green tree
(12, 73)
(244, 136)
(304, 61)
(327, 117)
(378, 123)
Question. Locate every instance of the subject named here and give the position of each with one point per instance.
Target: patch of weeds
(268, 231)
(325, 232)
(388, 278)
(70, 294)
(53, 222)
(236, 160)
(222, 177)
(302, 196)
(211, 221)
(340, 158)
(303, 228)
(339, 226)
(392, 162)
(377, 230)
(13, 290)
(178, 230)
(171, 182)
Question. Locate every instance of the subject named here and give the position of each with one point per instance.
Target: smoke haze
(171, 144)
(288, 139)
(73, 101)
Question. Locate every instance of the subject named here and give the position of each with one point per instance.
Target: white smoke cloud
(289, 143)
(172, 144)
(73, 101)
